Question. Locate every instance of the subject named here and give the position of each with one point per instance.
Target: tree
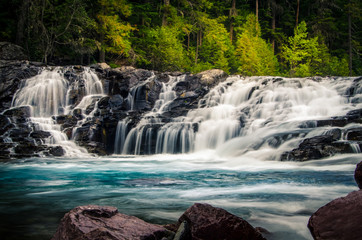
(163, 49)
(254, 55)
(113, 34)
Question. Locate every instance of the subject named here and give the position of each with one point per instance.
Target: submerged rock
(96, 222)
(208, 222)
(340, 219)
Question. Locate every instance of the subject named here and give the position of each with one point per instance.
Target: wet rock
(340, 219)
(38, 134)
(18, 114)
(56, 151)
(66, 121)
(96, 222)
(354, 134)
(316, 148)
(27, 149)
(5, 124)
(208, 222)
(11, 74)
(10, 51)
(358, 175)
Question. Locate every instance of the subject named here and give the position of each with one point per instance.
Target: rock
(57, 151)
(183, 232)
(18, 113)
(212, 76)
(11, 74)
(208, 222)
(358, 175)
(10, 51)
(97, 222)
(39, 134)
(354, 134)
(340, 219)
(317, 147)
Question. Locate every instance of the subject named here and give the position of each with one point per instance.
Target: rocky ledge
(200, 221)
(341, 218)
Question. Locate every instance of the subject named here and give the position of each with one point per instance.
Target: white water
(47, 94)
(258, 115)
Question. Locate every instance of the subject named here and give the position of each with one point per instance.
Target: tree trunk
(273, 31)
(21, 22)
(297, 15)
(197, 46)
(350, 37)
(257, 10)
(232, 15)
(166, 4)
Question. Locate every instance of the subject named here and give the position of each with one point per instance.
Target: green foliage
(163, 49)
(253, 54)
(216, 47)
(190, 35)
(301, 52)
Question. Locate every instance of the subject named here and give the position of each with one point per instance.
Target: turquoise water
(278, 196)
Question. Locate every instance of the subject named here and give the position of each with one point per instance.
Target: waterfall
(242, 115)
(48, 94)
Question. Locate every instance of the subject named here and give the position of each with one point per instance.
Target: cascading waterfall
(48, 94)
(130, 142)
(242, 115)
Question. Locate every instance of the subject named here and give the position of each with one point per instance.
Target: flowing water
(225, 152)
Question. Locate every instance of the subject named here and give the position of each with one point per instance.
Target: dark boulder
(316, 148)
(56, 151)
(18, 114)
(10, 51)
(208, 222)
(39, 134)
(354, 134)
(96, 222)
(358, 175)
(338, 220)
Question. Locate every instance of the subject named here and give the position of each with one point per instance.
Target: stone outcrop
(340, 219)
(95, 222)
(208, 222)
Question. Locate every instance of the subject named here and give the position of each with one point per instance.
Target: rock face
(95, 222)
(358, 175)
(338, 220)
(208, 222)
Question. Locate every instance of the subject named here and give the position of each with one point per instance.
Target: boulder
(338, 220)
(208, 222)
(212, 76)
(10, 51)
(97, 222)
(358, 175)
(316, 148)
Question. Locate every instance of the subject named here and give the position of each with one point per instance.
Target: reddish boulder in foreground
(358, 175)
(211, 223)
(105, 223)
(340, 219)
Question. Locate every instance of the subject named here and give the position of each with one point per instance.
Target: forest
(295, 38)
